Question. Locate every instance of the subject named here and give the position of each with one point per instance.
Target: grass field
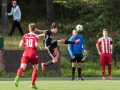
(62, 83)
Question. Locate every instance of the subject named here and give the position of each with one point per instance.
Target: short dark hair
(53, 25)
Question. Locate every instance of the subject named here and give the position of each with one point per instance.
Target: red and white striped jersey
(105, 44)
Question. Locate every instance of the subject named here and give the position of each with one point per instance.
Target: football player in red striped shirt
(30, 42)
(105, 49)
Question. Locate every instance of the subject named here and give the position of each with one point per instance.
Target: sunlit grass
(61, 84)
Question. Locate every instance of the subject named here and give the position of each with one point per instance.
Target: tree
(4, 18)
(50, 12)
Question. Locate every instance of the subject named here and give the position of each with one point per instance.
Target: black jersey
(48, 38)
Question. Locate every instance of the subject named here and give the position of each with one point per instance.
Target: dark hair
(53, 25)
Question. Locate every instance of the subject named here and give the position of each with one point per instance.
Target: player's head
(105, 32)
(54, 29)
(14, 3)
(75, 32)
(53, 24)
(32, 27)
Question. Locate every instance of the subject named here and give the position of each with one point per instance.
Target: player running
(50, 46)
(30, 42)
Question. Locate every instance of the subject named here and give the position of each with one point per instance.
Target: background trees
(94, 15)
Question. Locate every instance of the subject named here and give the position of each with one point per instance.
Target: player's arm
(111, 46)
(21, 44)
(83, 46)
(97, 46)
(37, 45)
(70, 49)
(40, 31)
(40, 35)
(111, 49)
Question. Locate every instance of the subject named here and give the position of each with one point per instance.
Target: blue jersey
(78, 48)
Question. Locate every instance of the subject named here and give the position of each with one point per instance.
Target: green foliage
(94, 15)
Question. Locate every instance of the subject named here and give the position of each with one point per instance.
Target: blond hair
(32, 27)
(105, 30)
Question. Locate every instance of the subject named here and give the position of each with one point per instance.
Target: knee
(73, 64)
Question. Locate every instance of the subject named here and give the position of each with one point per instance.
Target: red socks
(103, 70)
(109, 70)
(19, 72)
(34, 75)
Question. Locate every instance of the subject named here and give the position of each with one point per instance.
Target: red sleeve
(23, 38)
(99, 42)
(111, 42)
(36, 38)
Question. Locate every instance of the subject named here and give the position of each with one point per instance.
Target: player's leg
(34, 76)
(109, 63)
(24, 62)
(73, 63)
(79, 58)
(102, 62)
(103, 71)
(53, 55)
(19, 73)
(50, 62)
(73, 69)
(63, 41)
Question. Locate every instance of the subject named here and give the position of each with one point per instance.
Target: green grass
(62, 83)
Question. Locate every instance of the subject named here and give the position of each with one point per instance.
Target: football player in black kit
(50, 46)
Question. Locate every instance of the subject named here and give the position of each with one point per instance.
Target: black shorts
(78, 58)
(51, 49)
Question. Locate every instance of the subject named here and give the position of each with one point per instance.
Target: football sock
(19, 72)
(73, 71)
(48, 63)
(34, 76)
(68, 42)
(103, 70)
(79, 72)
(109, 70)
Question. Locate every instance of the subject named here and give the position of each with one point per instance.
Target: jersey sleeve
(23, 38)
(99, 41)
(83, 44)
(36, 38)
(48, 32)
(111, 41)
(70, 48)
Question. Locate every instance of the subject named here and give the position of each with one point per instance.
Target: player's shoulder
(34, 35)
(100, 39)
(48, 32)
(79, 36)
(31, 34)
